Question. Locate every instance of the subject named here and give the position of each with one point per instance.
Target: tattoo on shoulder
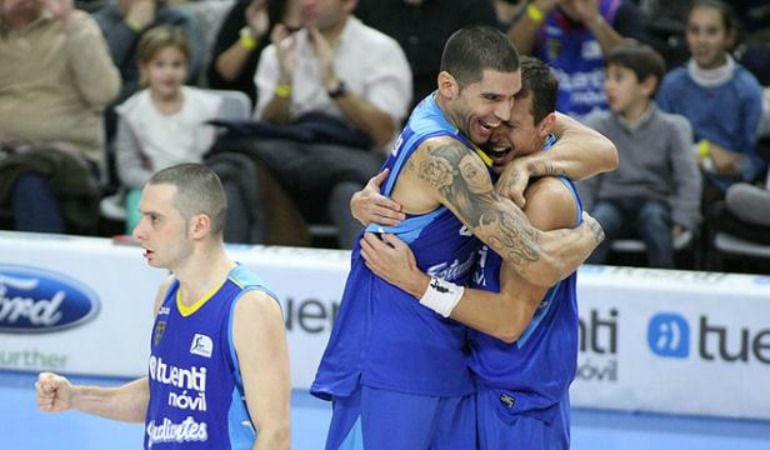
(463, 180)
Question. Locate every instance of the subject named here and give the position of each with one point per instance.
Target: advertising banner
(650, 340)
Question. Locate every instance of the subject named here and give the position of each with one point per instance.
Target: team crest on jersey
(202, 345)
(507, 400)
(160, 328)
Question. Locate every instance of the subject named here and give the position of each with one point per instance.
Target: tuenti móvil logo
(34, 300)
(668, 335)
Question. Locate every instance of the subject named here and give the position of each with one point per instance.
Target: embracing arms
(504, 315)
(450, 174)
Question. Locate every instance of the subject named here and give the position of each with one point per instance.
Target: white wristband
(442, 296)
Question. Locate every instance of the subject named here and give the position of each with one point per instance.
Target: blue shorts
(377, 419)
(501, 428)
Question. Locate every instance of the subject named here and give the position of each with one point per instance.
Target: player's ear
(447, 85)
(200, 226)
(545, 126)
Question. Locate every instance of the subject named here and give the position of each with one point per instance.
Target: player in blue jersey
(382, 362)
(524, 347)
(218, 373)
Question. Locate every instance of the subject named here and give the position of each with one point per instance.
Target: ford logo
(34, 300)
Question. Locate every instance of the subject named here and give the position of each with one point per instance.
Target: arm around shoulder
(259, 338)
(460, 181)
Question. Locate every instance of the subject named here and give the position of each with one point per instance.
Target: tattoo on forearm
(464, 181)
(545, 169)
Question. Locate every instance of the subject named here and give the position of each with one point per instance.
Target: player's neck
(203, 272)
(453, 118)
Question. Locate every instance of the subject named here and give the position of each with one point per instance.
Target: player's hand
(368, 206)
(54, 392)
(513, 182)
(393, 261)
(286, 50)
(677, 230)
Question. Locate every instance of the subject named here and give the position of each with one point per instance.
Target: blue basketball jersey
(196, 391)
(383, 337)
(575, 55)
(538, 368)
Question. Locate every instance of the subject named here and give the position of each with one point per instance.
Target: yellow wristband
(283, 90)
(247, 40)
(535, 14)
(136, 28)
(703, 148)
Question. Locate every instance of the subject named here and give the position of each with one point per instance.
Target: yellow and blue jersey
(196, 390)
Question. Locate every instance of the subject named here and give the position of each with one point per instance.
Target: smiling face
(162, 230)
(518, 136)
(478, 108)
(708, 37)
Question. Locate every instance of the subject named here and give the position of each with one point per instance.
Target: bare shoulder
(550, 204)
(257, 305)
(433, 172)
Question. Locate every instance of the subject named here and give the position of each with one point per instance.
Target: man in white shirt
(342, 69)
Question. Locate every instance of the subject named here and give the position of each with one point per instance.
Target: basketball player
(524, 337)
(397, 372)
(218, 370)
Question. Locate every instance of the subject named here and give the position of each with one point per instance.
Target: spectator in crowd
(123, 22)
(722, 100)
(56, 76)
(572, 36)
(746, 212)
(422, 27)
(507, 11)
(655, 193)
(336, 70)
(165, 124)
(241, 39)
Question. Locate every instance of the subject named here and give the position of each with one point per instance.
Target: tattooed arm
(452, 175)
(580, 152)
(505, 315)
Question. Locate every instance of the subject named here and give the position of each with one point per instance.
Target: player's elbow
(509, 331)
(508, 336)
(611, 159)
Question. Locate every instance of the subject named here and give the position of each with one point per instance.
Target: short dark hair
(470, 51)
(725, 10)
(539, 81)
(643, 60)
(198, 191)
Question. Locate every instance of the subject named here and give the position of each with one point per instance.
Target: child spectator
(722, 100)
(655, 192)
(164, 124)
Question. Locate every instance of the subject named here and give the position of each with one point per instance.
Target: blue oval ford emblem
(34, 300)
